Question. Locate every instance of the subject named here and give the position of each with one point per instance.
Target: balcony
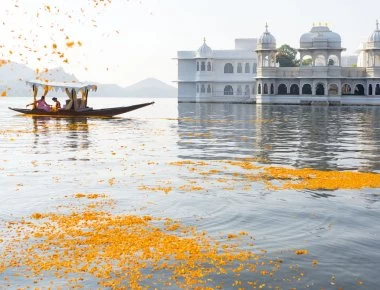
(220, 94)
(300, 72)
(373, 72)
(354, 72)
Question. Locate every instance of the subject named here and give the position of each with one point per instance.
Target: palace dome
(320, 37)
(374, 39)
(204, 51)
(267, 40)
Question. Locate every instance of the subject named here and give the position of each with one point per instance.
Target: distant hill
(14, 75)
(146, 88)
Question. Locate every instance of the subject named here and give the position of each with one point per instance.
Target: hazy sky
(126, 41)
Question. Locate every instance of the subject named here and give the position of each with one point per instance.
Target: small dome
(374, 39)
(267, 40)
(320, 36)
(204, 51)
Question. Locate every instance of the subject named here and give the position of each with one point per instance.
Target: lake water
(130, 158)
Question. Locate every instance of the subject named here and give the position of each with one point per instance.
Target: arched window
(203, 66)
(197, 65)
(228, 90)
(259, 89)
(307, 60)
(377, 90)
(306, 89)
(228, 68)
(197, 88)
(320, 89)
(333, 90)
(377, 60)
(265, 89)
(209, 89)
(203, 89)
(246, 90)
(254, 67)
(209, 66)
(359, 90)
(266, 61)
(333, 60)
(282, 89)
(346, 89)
(247, 69)
(271, 89)
(239, 68)
(239, 91)
(320, 61)
(294, 89)
(370, 90)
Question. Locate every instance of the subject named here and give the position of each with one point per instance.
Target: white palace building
(208, 75)
(249, 73)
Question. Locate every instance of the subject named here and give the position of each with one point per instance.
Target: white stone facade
(249, 73)
(320, 78)
(208, 75)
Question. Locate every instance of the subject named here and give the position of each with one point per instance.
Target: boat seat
(68, 105)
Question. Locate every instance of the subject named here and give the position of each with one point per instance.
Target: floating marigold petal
(302, 252)
(70, 44)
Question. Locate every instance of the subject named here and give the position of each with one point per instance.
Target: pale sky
(126, 41)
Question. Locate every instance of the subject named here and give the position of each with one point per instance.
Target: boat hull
(107, 112)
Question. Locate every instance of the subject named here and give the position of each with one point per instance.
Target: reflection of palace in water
(301, 136)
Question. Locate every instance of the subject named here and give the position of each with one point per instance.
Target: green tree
(287, 56)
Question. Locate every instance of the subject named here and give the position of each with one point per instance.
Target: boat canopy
(58, 86)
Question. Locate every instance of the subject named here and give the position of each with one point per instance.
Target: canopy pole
(75, 100)
(46, 90)
(85, 98)
(35, 91)
(70, 103)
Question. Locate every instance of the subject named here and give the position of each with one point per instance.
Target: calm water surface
(45, 159)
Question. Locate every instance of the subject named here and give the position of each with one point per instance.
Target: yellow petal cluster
(279, 177)
(122, 251)
(307, 178)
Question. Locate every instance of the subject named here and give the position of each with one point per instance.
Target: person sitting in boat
(57, 105)
(41, 104)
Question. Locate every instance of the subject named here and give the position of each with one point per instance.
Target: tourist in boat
(57, 105)
(41, 104)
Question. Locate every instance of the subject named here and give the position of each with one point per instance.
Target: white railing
(219, 94)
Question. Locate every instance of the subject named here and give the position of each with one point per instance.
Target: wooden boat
(76, 105)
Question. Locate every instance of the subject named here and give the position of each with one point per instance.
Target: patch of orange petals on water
(121, 251)
(280, 178)
(165, 189)
(313, 179)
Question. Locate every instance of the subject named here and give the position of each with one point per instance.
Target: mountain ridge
(13, 76)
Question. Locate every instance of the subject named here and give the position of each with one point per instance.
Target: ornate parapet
(266, 72)
(373, 72)
(354, 72)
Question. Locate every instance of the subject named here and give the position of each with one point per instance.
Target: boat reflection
(51, 134)
(320, 137)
